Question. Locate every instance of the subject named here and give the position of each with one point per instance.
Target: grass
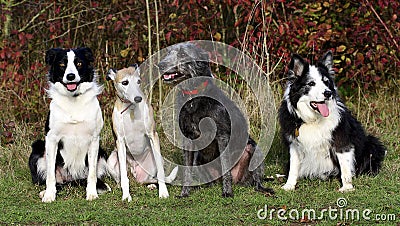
(379, 112)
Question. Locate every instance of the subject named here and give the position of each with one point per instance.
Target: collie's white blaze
(71, 68)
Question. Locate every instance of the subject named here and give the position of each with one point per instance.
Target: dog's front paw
(151, 186)
(127, 198)
(346, 188)
(185, 192)
(163, 191)
(227, 194)
(91, 197)
(267, 191)
(48, 195)
(163, 195)
(289, 187)
(91, 192)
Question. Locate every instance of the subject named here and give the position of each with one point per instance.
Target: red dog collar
(201, 87)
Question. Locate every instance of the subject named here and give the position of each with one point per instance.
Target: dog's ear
(87, 53)
(51, 55)
(327, 60)
(111, 74)
(136, 66)
(296, 66)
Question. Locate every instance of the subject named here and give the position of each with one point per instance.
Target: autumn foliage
(364, 36)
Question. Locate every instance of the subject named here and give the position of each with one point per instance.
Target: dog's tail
(373, 154)
(113, 166)
(172, 175)
(38, 149)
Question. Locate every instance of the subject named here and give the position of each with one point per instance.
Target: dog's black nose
(70, 77)
(138, 99)
(327, 93)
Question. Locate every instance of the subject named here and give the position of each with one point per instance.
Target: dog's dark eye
(125, 83)
(79, 64)
(138, 81)
(311, 84)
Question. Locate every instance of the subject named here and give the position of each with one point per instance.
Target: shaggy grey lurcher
(206, 112)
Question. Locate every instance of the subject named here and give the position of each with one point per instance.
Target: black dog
(198, 99)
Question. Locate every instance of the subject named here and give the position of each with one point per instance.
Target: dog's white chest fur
(76, 122)
(131, 127)
(313, 146)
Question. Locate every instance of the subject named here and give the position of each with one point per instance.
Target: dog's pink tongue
(168, 76)
(71, 86)
(323, 109)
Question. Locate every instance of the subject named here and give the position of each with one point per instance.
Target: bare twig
(18, 3)
(34, 18)
(72, 15)
(149, 46)
(77, 27)
(383, 23)
(160, 90)
(106, 54)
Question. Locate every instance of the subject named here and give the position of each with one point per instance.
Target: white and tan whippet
(137, 140)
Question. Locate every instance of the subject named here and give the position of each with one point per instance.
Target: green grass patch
(20, 202)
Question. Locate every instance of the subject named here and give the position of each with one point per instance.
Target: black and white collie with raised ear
(323, 138)
(70, 152)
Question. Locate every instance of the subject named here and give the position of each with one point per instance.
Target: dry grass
(378, 111)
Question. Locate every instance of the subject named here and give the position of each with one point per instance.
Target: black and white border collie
(70, 152)
(323, 138)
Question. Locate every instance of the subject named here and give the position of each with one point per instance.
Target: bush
(364, 36)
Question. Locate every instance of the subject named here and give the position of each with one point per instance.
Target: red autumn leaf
(21, 36)
(29, 36)
(95, 4)
(126, 18)
(118, 25)
(377, 78)
(3, 65)
(281, 29)
(168, 36)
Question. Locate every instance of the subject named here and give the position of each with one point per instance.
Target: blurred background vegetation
(364, 36)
